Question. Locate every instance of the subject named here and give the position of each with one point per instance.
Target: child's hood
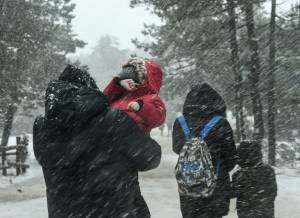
(154, 77)
(249, 154)
(148, 74)
(153, 80)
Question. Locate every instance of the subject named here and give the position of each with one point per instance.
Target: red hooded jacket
(153, 111)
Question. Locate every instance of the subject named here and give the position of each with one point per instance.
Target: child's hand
(128, 84)
(134, 106)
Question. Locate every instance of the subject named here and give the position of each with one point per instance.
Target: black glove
(129, 72)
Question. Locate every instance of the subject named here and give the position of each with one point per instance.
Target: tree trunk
(254, 73)
(2, 6)
(6, 133)
(240, 129)
(271, 88)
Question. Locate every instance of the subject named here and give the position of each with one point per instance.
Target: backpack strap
(211, 124)
(218, 168)
(184, 126)
(205, 132)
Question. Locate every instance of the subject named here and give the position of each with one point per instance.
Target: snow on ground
(25, 198)
(33, 172)
(36, 208)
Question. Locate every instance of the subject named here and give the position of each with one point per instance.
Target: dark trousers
(264, 211)
(251, 215)
(141, 209)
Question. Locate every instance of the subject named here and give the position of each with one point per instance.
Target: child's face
(129, 85)
(133, 86)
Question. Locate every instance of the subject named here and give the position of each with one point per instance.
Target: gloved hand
(128, 84)
(135, 106)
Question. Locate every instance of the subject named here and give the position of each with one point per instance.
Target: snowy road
(26, 198)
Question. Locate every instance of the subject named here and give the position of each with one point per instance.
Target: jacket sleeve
(38, 139)
(235, 185)
(113, 91)
(270, 181)
(142, 151)
(49, 152)
(274, 184)
(88, 102)
(178, 138)
(223, 144)
(145, 156)
(153, 111)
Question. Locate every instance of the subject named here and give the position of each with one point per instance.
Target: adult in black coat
(90, 154)
(201, 104)
(254, 185)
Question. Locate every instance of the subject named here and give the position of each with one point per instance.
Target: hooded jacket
(89, 158)
(254, 185)
(201, 104)
(153, 112)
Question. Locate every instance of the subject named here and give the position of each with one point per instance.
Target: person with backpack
(254, 184)
(90, 154)
(203, 138)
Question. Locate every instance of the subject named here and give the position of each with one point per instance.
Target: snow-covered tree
(35, 38)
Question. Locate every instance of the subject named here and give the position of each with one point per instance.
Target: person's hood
(153, 81)
(154, 76)
(73, 99)
(78, 77)
(249, 154)
(203, 100)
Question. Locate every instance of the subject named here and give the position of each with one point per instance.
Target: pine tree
(271, 88)
(33, 34)
(236, 68)
(255, 71)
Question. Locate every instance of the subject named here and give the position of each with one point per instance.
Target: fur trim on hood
(140, 68)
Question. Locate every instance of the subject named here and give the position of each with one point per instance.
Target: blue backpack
(195, 172)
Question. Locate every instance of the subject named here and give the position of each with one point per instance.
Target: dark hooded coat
(90, 154)
(254, 185)
(201, 104)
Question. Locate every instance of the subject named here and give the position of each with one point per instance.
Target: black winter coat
(201, 104)
(90, 154)
(254, 185)
(255, 188)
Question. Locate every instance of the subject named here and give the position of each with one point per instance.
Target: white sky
(282, 5)
(95, 18)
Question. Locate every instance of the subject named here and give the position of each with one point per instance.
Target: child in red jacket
(135, 90)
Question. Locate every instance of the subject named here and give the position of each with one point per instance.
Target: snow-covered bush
(287, 153)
